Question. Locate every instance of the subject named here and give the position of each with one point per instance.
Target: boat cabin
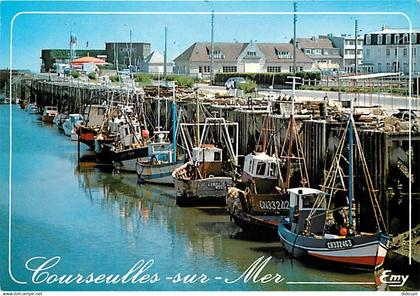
(160, 150)
(209, 158)
(207, 153)
(94, 115)
(261, 165)
(130, 134)
(50, 110)
(301, 202)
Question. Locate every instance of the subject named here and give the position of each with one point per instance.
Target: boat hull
(362, 251)
(86, 135)
(48, 118)
(207, 191)
(258, 227)
(157, 173)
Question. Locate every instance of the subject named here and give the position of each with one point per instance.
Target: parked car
(233, 82)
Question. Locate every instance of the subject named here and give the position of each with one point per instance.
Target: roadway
(388, 101)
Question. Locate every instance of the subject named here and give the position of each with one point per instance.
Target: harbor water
(98, 221)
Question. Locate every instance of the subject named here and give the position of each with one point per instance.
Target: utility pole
(212, 47)
(131, 49)
(355, 47)
(294, 37)
(165, 57)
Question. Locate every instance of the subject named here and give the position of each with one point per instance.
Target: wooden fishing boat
(204, 179)
(49, 113)
(94, 116)
(162, 160)
(318, 227)
(260, 202)
(256, 204)
(160, 164)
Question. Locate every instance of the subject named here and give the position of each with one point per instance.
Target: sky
(33, 32)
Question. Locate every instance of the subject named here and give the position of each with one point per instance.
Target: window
(367, 52)
(308, 51)
(396, 51)
(261, 168)
(379, 67)
(273, 69)
(101, 111)
(217, 156)
(273, 170)
(405, 67)
(414, 38)
(204, 69)
(388, 67)
(229, 69)
(396, 38)
(379, 39)
(217, 54)
(388, 52)
(325, 51)
(308, 201)
(405, 51)
(317, 51)
(368, 39)
(388, 39)
(405, 38)
(414, 51)
(281, 54)
(251, 53)
(301, 68)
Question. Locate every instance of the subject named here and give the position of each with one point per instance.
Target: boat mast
(197, 137)
(350, 190)
(174, 125)
(158, 108)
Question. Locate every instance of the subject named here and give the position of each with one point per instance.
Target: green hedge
(266, 78)
(180, 80)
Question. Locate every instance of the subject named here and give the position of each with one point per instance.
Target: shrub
(143, 78)
(248, 87)
(92, 75)
(184, 81)
(114, 78)
(75, 74)
(266, 78)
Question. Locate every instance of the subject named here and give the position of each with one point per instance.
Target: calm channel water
(101, 222)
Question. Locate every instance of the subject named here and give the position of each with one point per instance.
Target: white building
(240, 57)
(388, 50)
(154, 63)
(347, 47)
(321, 50)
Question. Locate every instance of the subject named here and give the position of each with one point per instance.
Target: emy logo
(393, 280)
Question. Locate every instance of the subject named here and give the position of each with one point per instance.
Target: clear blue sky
(35, 32)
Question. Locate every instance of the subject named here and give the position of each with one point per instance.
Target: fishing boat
(69, 125)
(162, 159)
(59, 120)
(260, 201)
(128, 147)
(321, 227)
(93, 118)
(204, 179)
(49, 113)
(160, 164)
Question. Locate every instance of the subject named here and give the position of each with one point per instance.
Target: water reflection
(208, 231)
